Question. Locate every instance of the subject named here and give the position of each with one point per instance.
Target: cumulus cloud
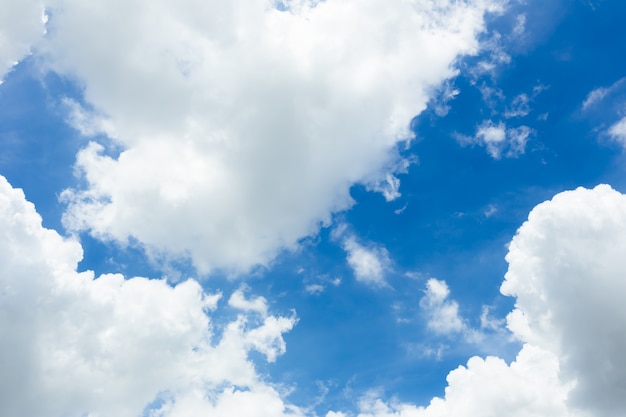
(498, 139)
(314, 289)
(527, 387)
(369, 263)
(566, 269)
(443, 314)
(520, 106)
(566, 272)
(21, 25)
(243, 124)
(256, 304)
(74, 344)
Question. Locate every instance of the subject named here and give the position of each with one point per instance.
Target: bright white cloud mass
(74, 344)
(21, 25)
(297, 165)
(249, 122)
(566, 268)
(83, 345)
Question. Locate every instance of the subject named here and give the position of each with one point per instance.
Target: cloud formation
(243, 124)
(498, 139)
(566, 266)
(21, 25)
(74, 344)
(369, 264)
(599, 94)
(443, 313)
(566, 271)
(618, 131)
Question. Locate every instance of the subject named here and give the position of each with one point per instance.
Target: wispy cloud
(498, 139)
(442, 313)
(618, 131)
(597, 95)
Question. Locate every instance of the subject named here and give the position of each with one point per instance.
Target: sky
(312, 208)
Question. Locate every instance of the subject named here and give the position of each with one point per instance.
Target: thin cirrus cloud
(369, 264)
(242, 125)
(618, 131)
(241, 130)
(597, 95)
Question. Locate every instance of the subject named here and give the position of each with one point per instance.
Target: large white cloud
(76, 345)
(21, 25)
(528, 387)
(243, 126)
(566, 270)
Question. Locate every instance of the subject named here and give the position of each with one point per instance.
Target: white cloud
(314, 289)
(492, 55)
(488, 322)
(256, 304)
(618, 131)
(488, 387)
(595, 96)
(490, 211)
(369, 264)
(517, 138)
(520, 106)
(598, 95)
(446, 94)
(520, 25)
(110, 346)
(498, 139)
(492, 136)
(389, 187)
(243, 126)
(443, 314)
(566, 271)
(21, 24)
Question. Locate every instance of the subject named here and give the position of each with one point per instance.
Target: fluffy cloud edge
(566, 268)
(111, 345)
(241, 165)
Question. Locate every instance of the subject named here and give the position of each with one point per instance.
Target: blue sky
(300, 208)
